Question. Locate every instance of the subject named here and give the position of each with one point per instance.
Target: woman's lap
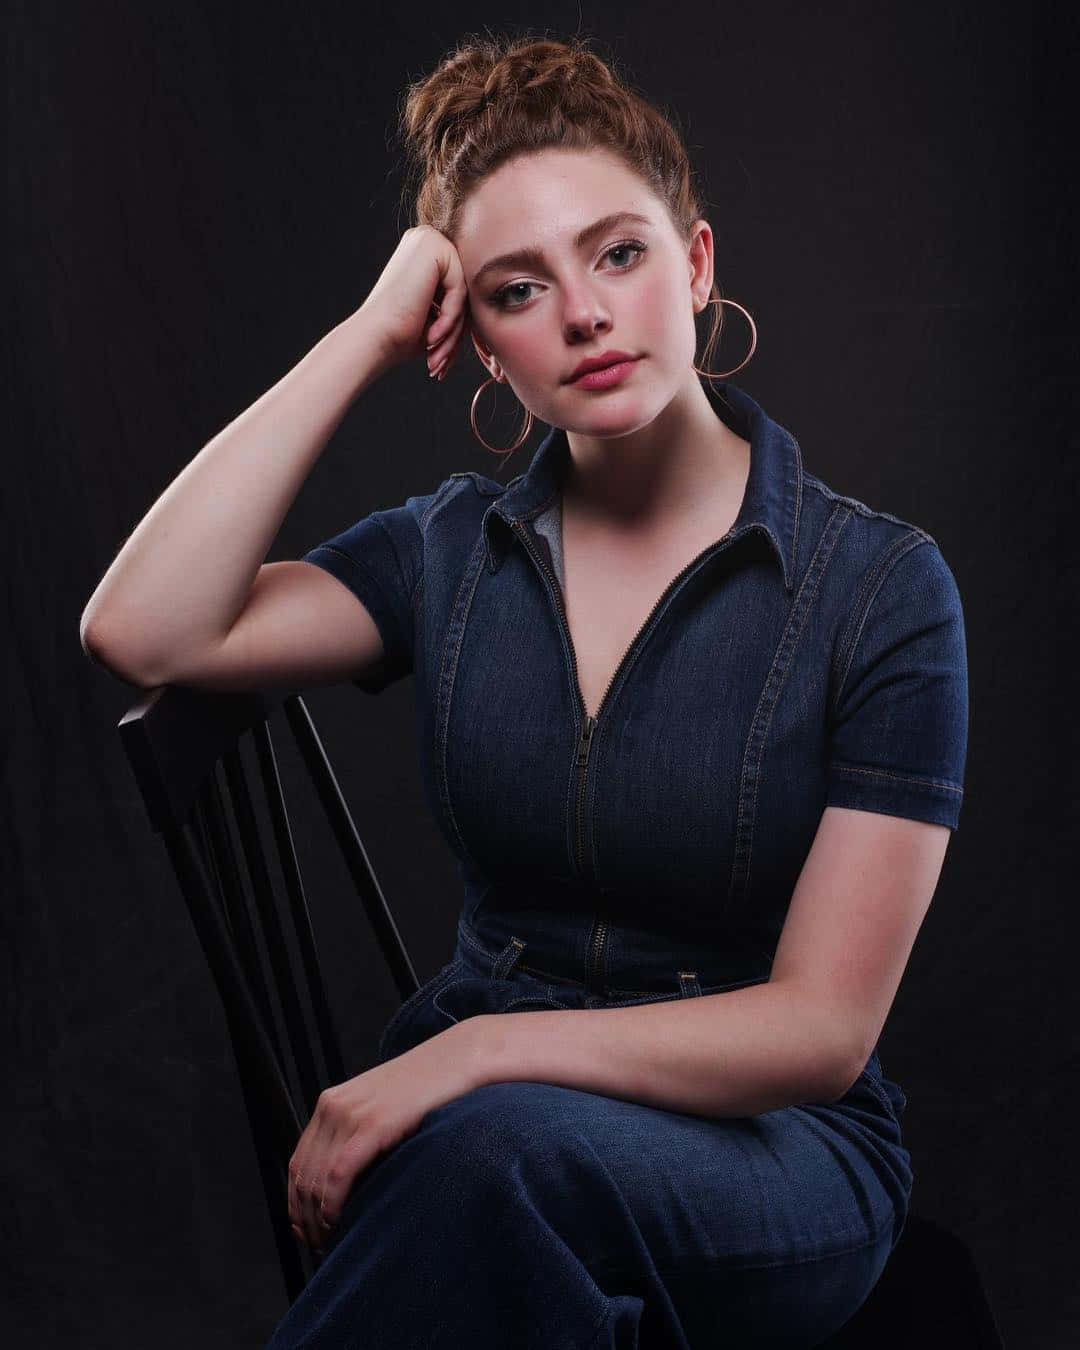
(786, 1186)
(800, 1182)
(526, 1213)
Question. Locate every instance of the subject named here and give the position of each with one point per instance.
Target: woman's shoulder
(875, 522)
(872, 548)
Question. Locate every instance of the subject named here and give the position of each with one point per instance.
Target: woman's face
(629, 286)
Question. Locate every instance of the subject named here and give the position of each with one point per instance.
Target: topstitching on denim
(813, 655)
(418, 996)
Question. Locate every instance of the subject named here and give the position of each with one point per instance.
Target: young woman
(693, 723)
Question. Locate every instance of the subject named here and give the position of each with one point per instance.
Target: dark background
(197, 193)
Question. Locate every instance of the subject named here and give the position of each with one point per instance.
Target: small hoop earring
(472, 418)
(712, 375)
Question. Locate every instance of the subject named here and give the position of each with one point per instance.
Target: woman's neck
(685, 463)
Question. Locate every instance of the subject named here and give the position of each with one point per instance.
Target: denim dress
(813, 655)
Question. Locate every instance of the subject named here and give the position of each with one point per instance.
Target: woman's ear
(486, 358)
(700, 258)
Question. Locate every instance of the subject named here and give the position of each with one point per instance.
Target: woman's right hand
(421, 299)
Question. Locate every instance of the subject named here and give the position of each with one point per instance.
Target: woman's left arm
(805, 1035)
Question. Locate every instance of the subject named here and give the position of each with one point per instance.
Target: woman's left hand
(355, 1121)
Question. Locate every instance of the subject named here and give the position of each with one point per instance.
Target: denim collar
(770, 503)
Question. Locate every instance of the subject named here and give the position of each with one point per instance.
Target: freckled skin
(648, 451)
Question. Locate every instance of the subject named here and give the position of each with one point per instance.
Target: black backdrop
(198, 192)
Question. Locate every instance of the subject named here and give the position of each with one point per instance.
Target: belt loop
(688, 980)
(507, 959)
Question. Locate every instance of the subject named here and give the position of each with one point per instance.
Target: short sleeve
(380, 559)
(899, 723)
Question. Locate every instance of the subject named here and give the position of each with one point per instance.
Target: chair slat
(296, 1261)
(352, 848)
(211, 808)
(256, 1056)
(208, 849)
(273, 935)
(328, 1043)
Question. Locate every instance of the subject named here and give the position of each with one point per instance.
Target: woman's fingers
(327, 1160)
(295, 1205)
(352, 1124)
(302, 1189)
(306, 1182)
(446, 348)
(445, 333)
(437, 327)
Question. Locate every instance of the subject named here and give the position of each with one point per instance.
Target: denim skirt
(534, 1216)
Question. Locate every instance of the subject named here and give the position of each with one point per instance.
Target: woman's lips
(605, 378)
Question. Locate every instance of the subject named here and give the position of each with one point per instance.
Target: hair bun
(485, 78)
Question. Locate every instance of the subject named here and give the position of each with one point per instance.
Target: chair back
(184, 747)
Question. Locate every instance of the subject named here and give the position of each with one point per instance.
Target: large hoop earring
(712, 375)
(472, 418)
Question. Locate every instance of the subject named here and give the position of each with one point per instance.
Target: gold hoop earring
(472, 418)
(712, 375)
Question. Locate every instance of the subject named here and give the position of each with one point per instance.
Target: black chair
(185, 749)
(262, 953)
(930, 1295)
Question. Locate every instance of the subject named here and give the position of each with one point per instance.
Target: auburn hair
(495, 97)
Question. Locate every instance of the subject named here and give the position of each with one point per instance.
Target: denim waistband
(558, 956)
(511, 961)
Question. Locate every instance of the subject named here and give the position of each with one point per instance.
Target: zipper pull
(586, 739)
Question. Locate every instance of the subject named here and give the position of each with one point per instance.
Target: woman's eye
(503, 291)
(515, 286)
(618, 248)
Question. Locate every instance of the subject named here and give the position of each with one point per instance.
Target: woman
(693, 723)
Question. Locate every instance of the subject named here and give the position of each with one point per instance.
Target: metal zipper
(589, 721)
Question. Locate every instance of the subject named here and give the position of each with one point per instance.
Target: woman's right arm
(188, 599)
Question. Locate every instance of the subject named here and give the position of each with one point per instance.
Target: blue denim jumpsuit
(813, 655)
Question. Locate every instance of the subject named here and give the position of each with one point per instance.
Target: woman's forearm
(731, 1054)
(185, 574)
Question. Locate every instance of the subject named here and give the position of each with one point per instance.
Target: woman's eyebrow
(534, 257)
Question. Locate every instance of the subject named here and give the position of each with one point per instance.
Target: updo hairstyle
(495, 97)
